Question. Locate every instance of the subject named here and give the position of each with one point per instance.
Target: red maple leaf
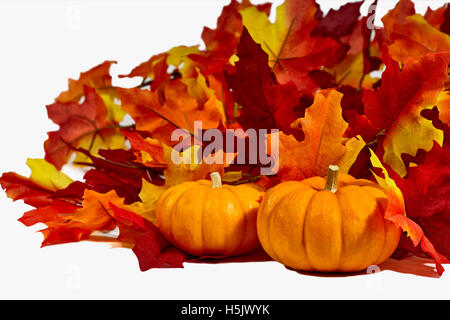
(266, 104)
(79, 123)
(426, 191)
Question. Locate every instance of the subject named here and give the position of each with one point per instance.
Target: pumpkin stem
(332, 178)
(216, 180)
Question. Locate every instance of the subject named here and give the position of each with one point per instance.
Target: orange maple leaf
(324, 128)
(97, 78)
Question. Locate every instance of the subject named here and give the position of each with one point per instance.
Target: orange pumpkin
(332, 225)
(206, 218)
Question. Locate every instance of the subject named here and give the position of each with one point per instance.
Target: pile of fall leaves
(374, 100)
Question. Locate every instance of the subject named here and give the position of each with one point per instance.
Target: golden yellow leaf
(46, 175)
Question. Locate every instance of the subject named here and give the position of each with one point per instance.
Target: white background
(42, 44)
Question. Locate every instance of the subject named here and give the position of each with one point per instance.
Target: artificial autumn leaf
(323, 145)
(104, 212)
(221, 44)
(84, 125)
(351, 72)
(443, 105)
(148, 244)
(323, 127)
(39, 189)
(18, 187)
(97, 78)
(148, 196)
(266, 104)
(445, 26)
(226, 36)
(426, 189)
(413, 230)
(156, 68)
(96, 213)
(362, 56)
(354, 114)
(292, 51)
(396, 213)
(232, 176)
(415, 38)
(189, 166)
(119, 172)
(47, 176)
(115, 112)
(51, 192)
(372, 60)
(148, 151)
(385, 181)
(78, 225)
(353, 148)
(436, 17)
(397, 105)
(177, 105)
(409, 35)
(339, 23)
(403, 9)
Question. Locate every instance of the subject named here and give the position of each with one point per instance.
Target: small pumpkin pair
(329, 225)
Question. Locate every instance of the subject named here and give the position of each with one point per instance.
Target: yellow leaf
(178, 57)
(149, 195)
(353, 148)
(397, 106)
(269, 35)
(413, 128)
(232, 176)
(350, 70)
(199, 90)
(115, 112)
(94, 144)
(186, 166)
(233, 59)
(292, 51)
(46, 175)
(385, 182)
(179, 53)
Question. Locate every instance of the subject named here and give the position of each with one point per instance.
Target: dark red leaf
(150, 247)
(426, 191)
(266, 104)
(339, 23)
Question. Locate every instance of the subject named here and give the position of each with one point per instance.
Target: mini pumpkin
(332, 225)
(206, 218)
